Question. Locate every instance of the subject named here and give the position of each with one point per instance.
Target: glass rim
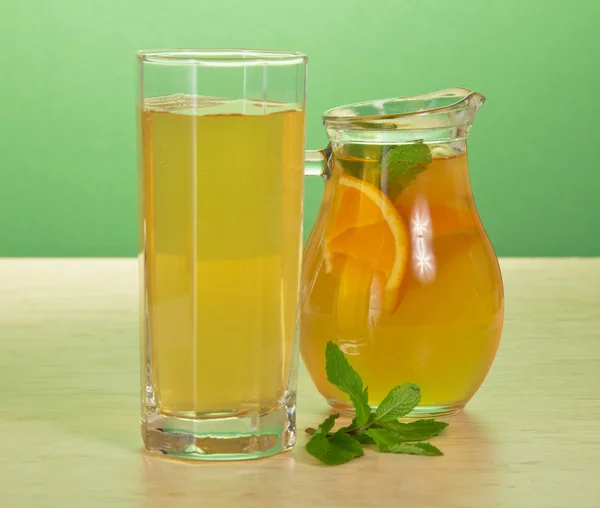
(229, 57)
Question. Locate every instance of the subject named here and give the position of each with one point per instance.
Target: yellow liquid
(222, 186)
(444, 333)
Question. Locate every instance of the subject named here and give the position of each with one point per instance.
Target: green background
(67, 130)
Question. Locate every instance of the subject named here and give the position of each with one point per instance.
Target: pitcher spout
(474, 100)
(446, 114)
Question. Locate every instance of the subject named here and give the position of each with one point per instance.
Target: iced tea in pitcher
(398, 270)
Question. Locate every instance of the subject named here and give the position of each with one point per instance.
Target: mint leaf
(406, 161)
(335, 449)
(347, 442)
(402, 164)
(341, 374)
(387, 442)
(399, 402)
(413, 449)
(320, 448)
(415, 431)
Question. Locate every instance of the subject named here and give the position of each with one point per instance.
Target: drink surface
(402, 276)
(222, 182)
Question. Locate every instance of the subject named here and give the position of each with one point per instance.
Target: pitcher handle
(316, 163)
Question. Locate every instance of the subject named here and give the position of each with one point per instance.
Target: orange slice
(365, 226)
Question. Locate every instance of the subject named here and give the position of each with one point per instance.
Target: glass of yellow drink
(221, 140)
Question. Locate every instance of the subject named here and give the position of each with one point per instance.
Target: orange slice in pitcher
(365, 226)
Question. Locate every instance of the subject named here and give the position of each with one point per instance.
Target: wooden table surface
(69, 431)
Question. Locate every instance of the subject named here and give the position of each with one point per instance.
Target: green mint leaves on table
(380, 427)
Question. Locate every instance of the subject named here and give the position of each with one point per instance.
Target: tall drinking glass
(220, 184)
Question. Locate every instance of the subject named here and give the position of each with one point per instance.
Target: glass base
(234, 438)
(438, 411)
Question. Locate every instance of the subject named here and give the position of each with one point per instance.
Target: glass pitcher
(398, 270)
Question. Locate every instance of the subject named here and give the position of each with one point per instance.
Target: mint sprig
(380, 427)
